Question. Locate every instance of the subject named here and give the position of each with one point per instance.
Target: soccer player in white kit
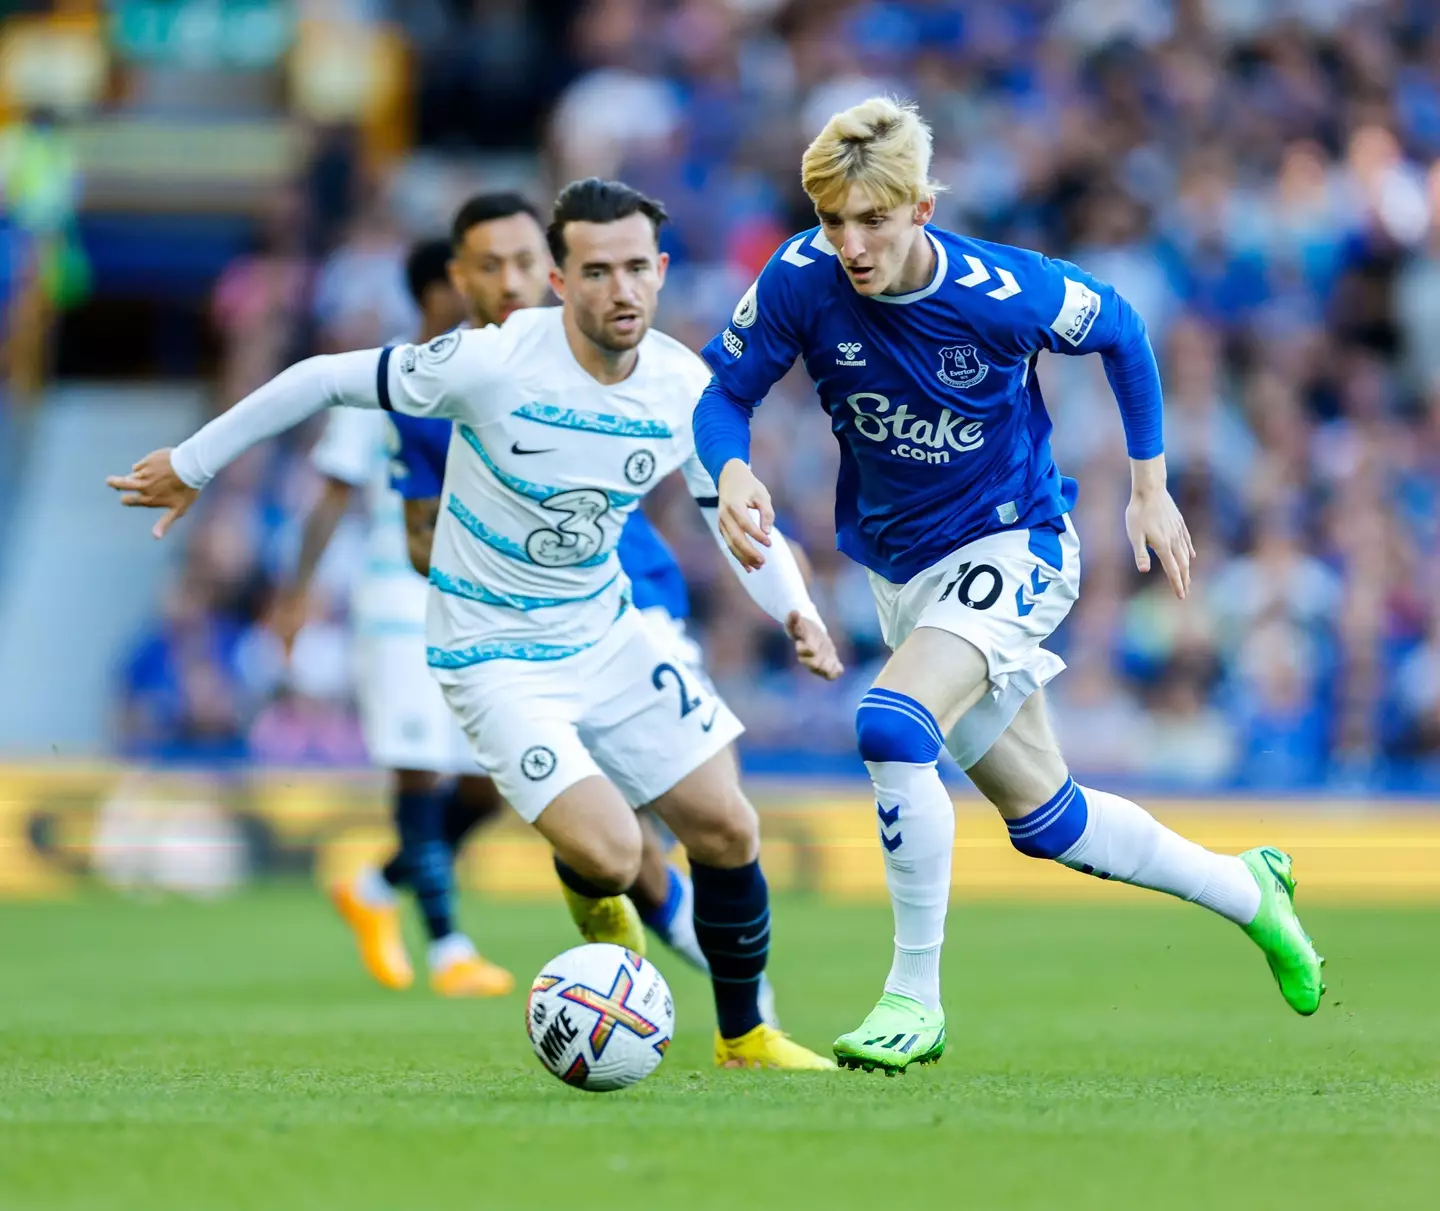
(566, 416)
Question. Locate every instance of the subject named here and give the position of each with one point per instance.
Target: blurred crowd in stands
(1256, 176)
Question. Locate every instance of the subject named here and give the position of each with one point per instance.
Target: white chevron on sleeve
(1007, 287)
(978, 273)
(793, 256)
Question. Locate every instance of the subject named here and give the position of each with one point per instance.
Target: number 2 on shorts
(657, 679)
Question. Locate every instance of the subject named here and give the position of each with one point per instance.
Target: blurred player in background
(922, 346)
(579, 711)
(408, 728)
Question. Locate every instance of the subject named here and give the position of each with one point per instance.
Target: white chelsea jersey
(545, 465)
(356, 448)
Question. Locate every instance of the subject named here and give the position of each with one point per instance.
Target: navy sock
(419, 816)
(464, 810)
(732, 924)
(579, 884)
(394, 872)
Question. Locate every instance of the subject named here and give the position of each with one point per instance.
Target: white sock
(1123, 841)
(682, 939)
(917, 837)
(372, 889)
(450, 949)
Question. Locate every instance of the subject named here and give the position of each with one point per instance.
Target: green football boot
(899, 1032)
(1276, 930)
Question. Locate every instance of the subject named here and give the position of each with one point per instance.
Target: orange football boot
(377, 934)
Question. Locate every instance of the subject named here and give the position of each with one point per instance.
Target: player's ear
(924, 210)
(661, 263)
(557, 282)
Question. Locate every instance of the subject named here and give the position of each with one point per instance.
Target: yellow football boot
(471, 976)
(612, 919)
(766, 1047)
(377, 934)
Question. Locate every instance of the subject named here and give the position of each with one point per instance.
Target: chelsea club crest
(960, 367)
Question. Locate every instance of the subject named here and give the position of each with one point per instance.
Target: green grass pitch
(231, 1055)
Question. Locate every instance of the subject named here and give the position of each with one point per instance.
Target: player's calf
(900, 740)
(597, 848)
(719, 829)
(595, 837)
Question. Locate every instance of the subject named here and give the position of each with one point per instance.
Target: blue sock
(732, 924)
(660, 916)
(1053, 827)
(419, 817)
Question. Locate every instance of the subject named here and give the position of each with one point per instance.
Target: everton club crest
(960, 367)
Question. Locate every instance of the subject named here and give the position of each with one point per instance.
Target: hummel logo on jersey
(1025, 602)
(922, 440)
(517, 448)
(889, 819)
(979, 275)
(848, 350)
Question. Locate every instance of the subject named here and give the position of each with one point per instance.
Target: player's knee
(726, 837)
(610, 862)
(894, 727)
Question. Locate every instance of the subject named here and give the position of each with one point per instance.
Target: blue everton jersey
(418, 472)
(944, 436)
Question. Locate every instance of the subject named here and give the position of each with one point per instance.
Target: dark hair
(426, 265)
(595, 201)
(487, 207)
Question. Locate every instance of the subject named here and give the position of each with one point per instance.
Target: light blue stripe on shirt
(592, 422)
(458, 586)
(526, 487)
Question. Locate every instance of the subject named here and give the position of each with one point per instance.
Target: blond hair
(882, 144)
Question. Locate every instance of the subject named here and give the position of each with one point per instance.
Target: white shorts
(403, 714)
(629, 708)
(1004, 593)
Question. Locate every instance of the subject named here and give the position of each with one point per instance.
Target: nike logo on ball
(516, 448)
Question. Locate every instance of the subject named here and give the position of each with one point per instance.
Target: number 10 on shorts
(975, 585)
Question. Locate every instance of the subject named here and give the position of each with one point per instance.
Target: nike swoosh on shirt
(709, 723)
(517, 448)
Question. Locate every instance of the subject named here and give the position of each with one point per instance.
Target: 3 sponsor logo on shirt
(916, 438)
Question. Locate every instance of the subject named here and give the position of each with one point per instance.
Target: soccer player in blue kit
(922, 346)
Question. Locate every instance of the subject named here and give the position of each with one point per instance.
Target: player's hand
(1153, 523)
(740, 493)
(153, 484)
(813, 646)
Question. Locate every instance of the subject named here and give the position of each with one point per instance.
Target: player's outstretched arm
(776, 585)
(170, 479)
